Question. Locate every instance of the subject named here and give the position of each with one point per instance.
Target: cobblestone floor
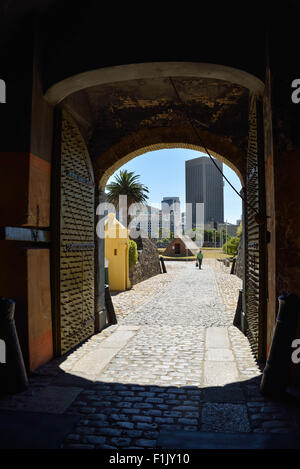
(174, 363)
(192, 298)
(229, 285)
(126, 302)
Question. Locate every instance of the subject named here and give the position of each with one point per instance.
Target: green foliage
(162, 239)
(127, 183)
(231, 247)
(133, 253)
(214, 236)
(224, 237)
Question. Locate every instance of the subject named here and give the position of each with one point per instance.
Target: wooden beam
(31, 235)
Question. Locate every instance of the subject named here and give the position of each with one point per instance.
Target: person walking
(199, 258)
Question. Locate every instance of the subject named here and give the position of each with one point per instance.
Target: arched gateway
(111, 115)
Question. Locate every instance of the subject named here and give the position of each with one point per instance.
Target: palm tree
(127, 183)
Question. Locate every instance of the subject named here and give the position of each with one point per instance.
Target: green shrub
(232, 245)
(133, 253)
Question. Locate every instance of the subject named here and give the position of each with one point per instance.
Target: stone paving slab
(96, 360)
(218, 373)
(217, 337)
(92, 364)
(219, 355)
(225, 418)
(118, 339)
(230, 393)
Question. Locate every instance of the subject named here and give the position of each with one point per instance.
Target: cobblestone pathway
(125, 302)
(229, 285)
(175, 363)
(192, 299)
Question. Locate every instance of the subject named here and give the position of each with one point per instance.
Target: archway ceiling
(108, 113)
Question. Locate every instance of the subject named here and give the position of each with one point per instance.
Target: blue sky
(163, 172)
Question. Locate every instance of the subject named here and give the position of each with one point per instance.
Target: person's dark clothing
(199, 258)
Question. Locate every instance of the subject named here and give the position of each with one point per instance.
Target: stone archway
(61, 90)
(103, 176)
(126, 110)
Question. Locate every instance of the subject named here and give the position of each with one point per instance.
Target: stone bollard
(163, 265)
(276, 373)
(13, 376)
(232, 271)
(111, 315)
(238, 311)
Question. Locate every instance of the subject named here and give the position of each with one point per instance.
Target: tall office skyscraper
(204, 184)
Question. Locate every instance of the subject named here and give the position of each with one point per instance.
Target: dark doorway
(177, 248)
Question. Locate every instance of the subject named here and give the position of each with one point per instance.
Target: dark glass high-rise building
(204, 184)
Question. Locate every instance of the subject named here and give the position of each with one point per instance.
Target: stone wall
(239, 261)
(148, 263)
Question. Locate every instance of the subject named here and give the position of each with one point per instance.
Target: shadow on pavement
(61, 408)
